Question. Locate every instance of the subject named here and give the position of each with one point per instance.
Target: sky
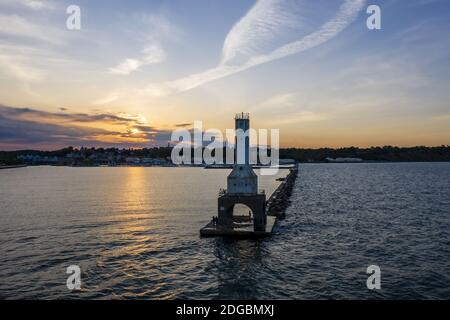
(137, 70)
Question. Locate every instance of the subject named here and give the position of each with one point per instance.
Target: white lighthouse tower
(242, 180)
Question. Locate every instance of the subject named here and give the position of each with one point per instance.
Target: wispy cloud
(36, 5)
(151, 55)
(157, 30)
(26, 65)
(289, 108)
(31, 4)
(267, 20)
(262, 35)
(18, 26)
(108, 99)
(18, 67)
(30, 48)
(284, 100)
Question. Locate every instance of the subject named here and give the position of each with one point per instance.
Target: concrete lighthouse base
(255, 202)
(254, 226)
(241, 229)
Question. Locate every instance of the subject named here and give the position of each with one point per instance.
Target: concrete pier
(242, 228)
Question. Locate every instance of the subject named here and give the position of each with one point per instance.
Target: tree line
(386, 153)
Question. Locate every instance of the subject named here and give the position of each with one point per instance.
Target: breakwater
(280, 199)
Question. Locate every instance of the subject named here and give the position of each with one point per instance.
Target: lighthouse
(242, 180)
(242, 184)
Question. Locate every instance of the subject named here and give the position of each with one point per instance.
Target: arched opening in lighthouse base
(255, 203)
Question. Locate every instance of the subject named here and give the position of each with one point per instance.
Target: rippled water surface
(135, 234)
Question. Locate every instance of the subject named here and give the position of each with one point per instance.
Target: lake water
(134, 232)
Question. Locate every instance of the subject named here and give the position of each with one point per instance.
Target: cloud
(31, 128)
(26, 67)
(157, 30)
(19, 68)
(263, 35)
(126, 67)
(151, 55)
(36, 4)
(31, 4)
(18, 26)
(16, 133)
(38, 115)
(30, 51)
(286, 99)
(289, 108)
(37, 51)
(183, 125)
(108, 99)
(265, 23)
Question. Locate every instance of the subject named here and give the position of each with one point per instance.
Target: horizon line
(281, 148)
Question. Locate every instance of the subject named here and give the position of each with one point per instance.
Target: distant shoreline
(13, 166)
(214, 168)
(161, 156)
